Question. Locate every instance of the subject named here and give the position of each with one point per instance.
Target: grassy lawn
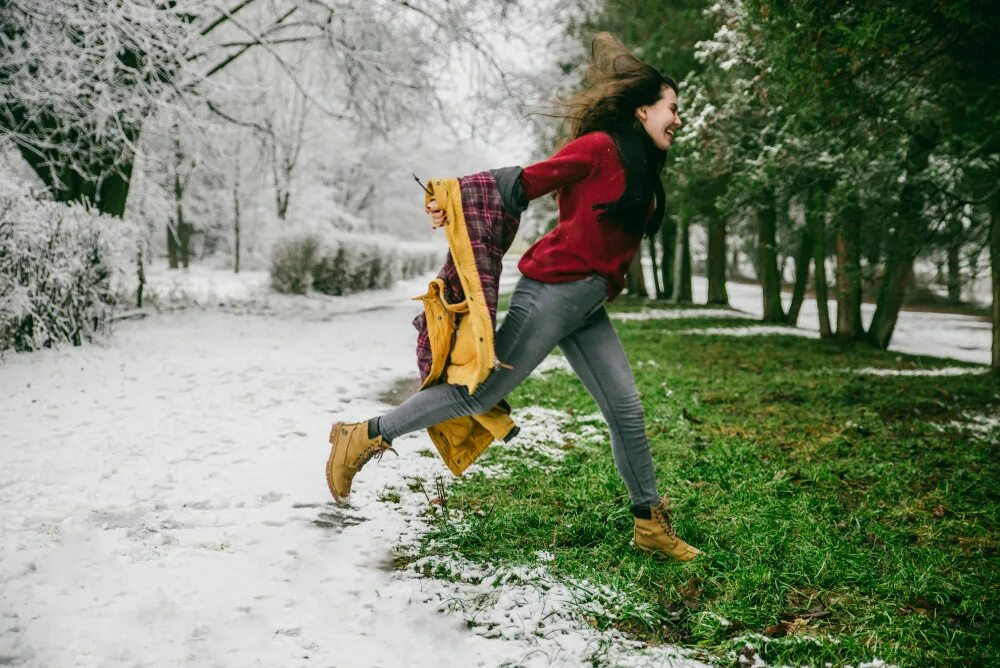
(844, 516)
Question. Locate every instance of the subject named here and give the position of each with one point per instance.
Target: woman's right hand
(437, 214)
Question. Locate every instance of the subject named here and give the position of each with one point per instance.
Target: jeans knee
(628, 414)
(481, 400)
(629, 405)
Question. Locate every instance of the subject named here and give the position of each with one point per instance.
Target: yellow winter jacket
(462, 354)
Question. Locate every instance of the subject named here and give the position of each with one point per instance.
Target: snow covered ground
(164, 501)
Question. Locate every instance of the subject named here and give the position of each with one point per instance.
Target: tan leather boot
(657, 535)
(351, 449)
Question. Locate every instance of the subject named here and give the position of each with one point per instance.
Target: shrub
(292, 264)
(56, 265)
(331, 272)
(341, 265)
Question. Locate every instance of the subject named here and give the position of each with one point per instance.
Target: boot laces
(376, 450)
(663, 518)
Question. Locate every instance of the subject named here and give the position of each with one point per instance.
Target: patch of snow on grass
(762, 330)
(541, 442)
(558, 621)
(679, 314)
(940, 371)
(552, 363)
(983, 425)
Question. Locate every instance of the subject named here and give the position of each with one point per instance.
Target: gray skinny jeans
(542, 316)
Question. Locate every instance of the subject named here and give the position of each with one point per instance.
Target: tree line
(861, 137)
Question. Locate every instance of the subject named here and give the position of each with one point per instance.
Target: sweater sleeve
(573, 162)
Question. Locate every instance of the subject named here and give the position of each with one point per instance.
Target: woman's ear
(641, 112)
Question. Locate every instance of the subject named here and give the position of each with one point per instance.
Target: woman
(607, 176)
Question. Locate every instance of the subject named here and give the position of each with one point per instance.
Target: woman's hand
(438, 217)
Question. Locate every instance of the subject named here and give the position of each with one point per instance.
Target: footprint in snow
(337, 519)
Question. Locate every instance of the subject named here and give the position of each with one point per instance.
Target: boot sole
(329, 465)
(664, 555)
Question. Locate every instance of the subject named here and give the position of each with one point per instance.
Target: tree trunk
(636, 279)
(849, 323)
(141, 273)
(107, 193)
(185, 244)
(682, 262)
(236, 218)
(173, 245)
(767, 260)
(717, 293)
(657, 288)
(816, 220)
(954, 267)
(904, 243)
(178, 238)
(177, 235)
(668, 237)
(995, 265)
(802, 259)
(281, 198)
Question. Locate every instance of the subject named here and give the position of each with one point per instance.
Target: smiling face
(660, 119)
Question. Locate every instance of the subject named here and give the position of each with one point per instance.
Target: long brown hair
(615, 84)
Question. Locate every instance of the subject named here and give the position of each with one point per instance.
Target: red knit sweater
(586, 171)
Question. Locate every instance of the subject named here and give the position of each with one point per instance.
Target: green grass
(844, 517)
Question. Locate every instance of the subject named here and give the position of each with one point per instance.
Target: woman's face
(660, 120)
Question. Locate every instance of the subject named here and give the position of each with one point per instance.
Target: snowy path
(161, 495)
(164, 501)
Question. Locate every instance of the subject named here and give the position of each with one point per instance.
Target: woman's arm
(511, 189)
(573, 162)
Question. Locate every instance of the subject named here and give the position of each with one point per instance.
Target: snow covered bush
(344, 264)
(292, 264)
(56, 266)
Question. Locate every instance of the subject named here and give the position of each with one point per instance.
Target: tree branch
(257, 40)
(235, 121)
(272, 42)
(225, 16)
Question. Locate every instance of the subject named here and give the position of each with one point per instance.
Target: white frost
(940, 371)
(678, 314)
